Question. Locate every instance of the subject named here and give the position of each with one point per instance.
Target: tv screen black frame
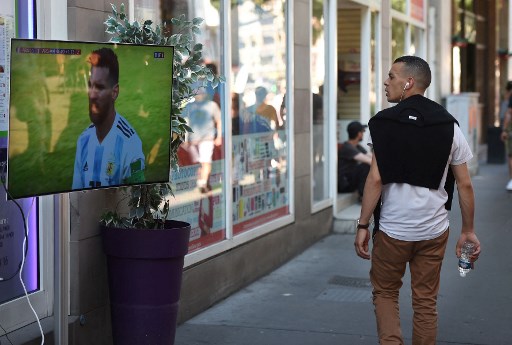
(49, 109)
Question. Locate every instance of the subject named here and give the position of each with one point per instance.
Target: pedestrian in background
(505, 101)
(418, 153)
(506, 134)
(353, 161)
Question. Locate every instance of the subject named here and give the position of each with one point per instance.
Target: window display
(260, 177)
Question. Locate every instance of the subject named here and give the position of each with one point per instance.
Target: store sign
(417, 10)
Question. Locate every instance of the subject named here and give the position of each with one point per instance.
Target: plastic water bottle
(464, 261)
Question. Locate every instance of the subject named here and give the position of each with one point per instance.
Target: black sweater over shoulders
(412, 142)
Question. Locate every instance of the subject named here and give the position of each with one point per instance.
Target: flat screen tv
(75, 123)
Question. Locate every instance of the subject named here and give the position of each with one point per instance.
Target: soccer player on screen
(109, 151)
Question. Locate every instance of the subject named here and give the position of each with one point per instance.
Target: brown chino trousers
(389, 261)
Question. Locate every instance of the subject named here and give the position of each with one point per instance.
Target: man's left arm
(363, 158)
(467, 207)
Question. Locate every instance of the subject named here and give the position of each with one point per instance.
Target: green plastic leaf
(196, 30)
(197, 21)
(114, 10)
(195, 68)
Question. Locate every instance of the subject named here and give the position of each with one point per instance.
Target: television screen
(87, 115)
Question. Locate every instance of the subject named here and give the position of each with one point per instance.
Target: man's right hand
(361, 243)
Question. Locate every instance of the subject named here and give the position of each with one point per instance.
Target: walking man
(419, 152)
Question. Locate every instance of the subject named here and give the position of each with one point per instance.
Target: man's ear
(115, 92)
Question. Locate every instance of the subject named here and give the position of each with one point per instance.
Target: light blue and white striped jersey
(118, 160)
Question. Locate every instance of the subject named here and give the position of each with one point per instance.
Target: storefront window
(260, 183)
(320, 132)
(398, 5)
(199, 195)
(349, 69)
(414, 48)
(374, 86)
(470, 27)
(397, 38)
(467, 5)
(259, 150)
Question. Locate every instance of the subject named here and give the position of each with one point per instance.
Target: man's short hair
(354, 128)
(105, 57)
(508, 87)
(417, 68)
(261, 92)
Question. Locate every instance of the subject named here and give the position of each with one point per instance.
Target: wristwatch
(362, 226)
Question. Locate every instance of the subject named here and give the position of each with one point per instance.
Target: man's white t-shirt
(117, 160)
(412, 213)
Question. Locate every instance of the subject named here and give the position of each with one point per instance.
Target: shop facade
(310, 67)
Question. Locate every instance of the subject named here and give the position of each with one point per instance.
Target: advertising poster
(260, 181)
(260, 188)
(202, 208)
(6, 33)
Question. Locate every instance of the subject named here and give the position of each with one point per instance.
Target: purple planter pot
(145, 269)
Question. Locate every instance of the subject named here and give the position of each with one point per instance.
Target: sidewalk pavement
(323, 296)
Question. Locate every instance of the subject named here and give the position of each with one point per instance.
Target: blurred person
(204, 117)
(506, 134)
(418, 154)
(260, 117)
(213, 92)
(235, 114)
(353, 161)
(505, 100)
(109, 151)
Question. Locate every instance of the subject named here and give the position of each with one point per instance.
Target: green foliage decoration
(149, 204)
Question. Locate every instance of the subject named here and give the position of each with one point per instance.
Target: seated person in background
(353, 161)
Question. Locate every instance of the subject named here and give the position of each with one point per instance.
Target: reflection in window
(259, 152)
(373, 75)
(397, 39)
(415, 41)
(320, 131)
(199, 196)
(398, 5)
